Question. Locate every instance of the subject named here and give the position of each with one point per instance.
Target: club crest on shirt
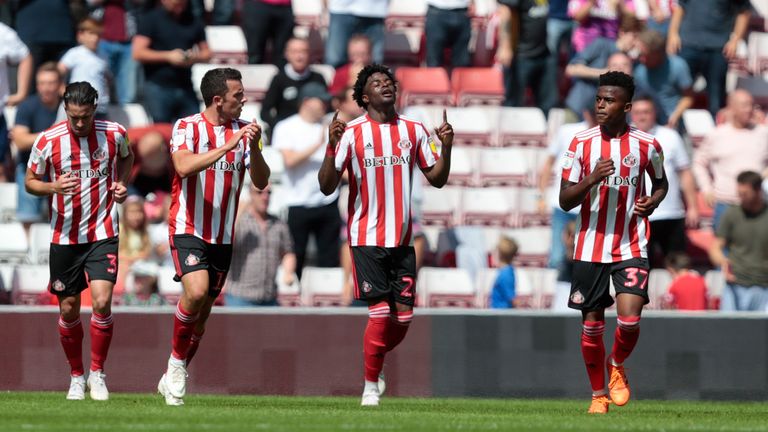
(192, 260)
(367, 287)
(404, 144)
(577, 298)
(58, 285)
(99, 154)
(629, 160)
(567, 161)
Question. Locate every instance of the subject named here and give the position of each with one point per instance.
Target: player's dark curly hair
(362, 79)
(80, 93)
(618, 79)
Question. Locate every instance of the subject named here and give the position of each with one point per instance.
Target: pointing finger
(445, 116)
(335, 115)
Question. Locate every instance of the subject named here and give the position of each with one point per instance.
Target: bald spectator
(281, 100)
(732, 147)
(679, 208)
(665, 78)
(359, 54)
(592, 62)
(169, 41)
(743, 232)
(706, 34)
(267, 21)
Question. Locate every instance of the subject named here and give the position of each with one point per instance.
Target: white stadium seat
(287, 295)
(522, 126)
(322, 286)
(30, 283)
(327, 71)
(129, 115)
(39, 243)
(440, 205)
(504, 166)
(445, 287)
(8, 201)
(463, 166)
(14, 245)
(168, 288)
(227, 44)
(487, 206)
(698, 123)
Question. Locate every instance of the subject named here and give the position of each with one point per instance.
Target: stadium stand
(445, 287)
(227, 44)
(477, 86)
(321, 286)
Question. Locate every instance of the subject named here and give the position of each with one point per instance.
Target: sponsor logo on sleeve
(567, 160)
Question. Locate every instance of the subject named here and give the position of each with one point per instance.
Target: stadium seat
(327, 71)
(274, 160)
(472, 126)
(757, 52)
(533, 245)
(446, 287)
(440, 206)
(322, 286)
(504, 166)
(402, 47)
(463, 166)
(39, 243)
(715, 286)
(14, 246)
(406, 13)
(9, 112)
(168, 288)
(252, 111)
(522, 126)
(307, 12)
(526, 284)
(287, 295)
(227, 44)
(546, 283)
(8, 201)
(477, 86)
(658, 284)
(484, 284)
(487, 206)
(30, 284)
(698, 123)
(428, 86)
(129, 115)
(277, 200)
(528, 209)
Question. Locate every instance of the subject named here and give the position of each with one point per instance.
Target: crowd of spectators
(551, 53)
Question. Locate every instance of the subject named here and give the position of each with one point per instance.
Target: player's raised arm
(329, 176)
(437, 175)
(187, 163)
(258, 168)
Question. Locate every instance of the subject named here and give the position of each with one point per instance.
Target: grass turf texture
(141, 412)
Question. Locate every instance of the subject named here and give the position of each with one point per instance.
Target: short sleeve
(122, 142)
(70, 58)
(655, 166)
(571, 162)
(286, 242)
(182, 137)
(13, 45)
(40, 155)
(681, 159)
(426, 151)
(146, 24)
(725, 227)
(343, 151)
(25, 114)
(684, 79)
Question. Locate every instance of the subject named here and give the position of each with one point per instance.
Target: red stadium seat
(477, 86)
(427, 86)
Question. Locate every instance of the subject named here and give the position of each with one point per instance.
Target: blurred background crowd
(518, 78)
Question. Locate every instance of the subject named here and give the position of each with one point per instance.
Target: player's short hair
(80, 93)
(362, 79)
(50, 67)
(618, 79)
(507, 248)
(90, 24)
(214, 83)
(677, 261)
(750, 178)
(655, 41)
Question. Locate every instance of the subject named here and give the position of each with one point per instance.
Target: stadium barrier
(295, 351)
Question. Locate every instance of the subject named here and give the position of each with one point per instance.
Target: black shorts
(384, 273)
(73, 266)
(191, 254)
(590, 284)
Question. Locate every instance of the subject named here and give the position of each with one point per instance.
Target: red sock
(183, 327)
(71, 335)
(101, 336)
(625, 338)
(593, 351)
(374, 340)
(194, 342)
(397, 327)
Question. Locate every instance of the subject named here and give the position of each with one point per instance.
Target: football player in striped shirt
(604, 172)
(380, 150)
(83, 166)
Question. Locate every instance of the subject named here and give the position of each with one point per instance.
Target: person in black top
(168, 42)
(281, 100)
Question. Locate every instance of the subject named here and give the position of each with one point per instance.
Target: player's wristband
(330, 151)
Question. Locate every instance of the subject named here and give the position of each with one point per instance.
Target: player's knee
(69, 311)
(628, 323)
(101, 306)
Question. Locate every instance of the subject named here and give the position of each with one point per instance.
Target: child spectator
(134, 237)
(688, 290)
(503, 293)
(83, 62)
(144, 292)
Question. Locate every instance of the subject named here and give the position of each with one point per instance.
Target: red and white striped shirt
(90, 214)
(380, 158)
(205, 204)
(608, 231)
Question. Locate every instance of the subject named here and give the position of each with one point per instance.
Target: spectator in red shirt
(688, 290)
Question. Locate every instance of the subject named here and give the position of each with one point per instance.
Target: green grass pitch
(141, 412)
